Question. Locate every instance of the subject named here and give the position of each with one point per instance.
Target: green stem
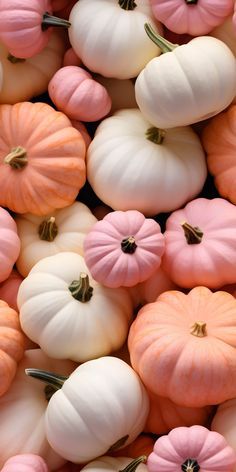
(49, 378)
(162, 43)
(134, 464)
(17, 158)
(127, 4)
(80, 289)
(50, 20)
(155, 135)
(14, 59)
(193, 234)
(128, 245)
(48, 229)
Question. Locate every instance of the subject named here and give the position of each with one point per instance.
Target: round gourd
(202, 82)
(43, 236)
(42, 156)
(150, 289)
(102, 35)
(123, 249)
(25, 463)
(9, 244)
(108, 411)
(181, 345)
(195, 17)
(200, 244)
(9, 289)
(132, 166)
(76, 318)
(224, 422)
(191, 450)
(74, 91)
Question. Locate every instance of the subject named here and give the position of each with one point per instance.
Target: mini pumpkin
(83, 130)
(9, 289)
(122, 92)
(224, 422)
(9, 244)
(70, 58)
(25, 463)
(225, 32)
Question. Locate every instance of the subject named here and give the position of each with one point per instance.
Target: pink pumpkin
(9, 244)
(70, 58)
(83, 130)
(25, 26)
(191, 450)
(9, 289)
(73, 91)
(123, 249)
(194, 17)
(200, 244)
(25, 463)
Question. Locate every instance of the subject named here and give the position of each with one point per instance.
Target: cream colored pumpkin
(121, 92)
(41, 236)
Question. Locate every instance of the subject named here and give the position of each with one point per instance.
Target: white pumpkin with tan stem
(201, 84)
(68, 314)
(43, 236)
(131, 165)
(109, 36)
(101, 407)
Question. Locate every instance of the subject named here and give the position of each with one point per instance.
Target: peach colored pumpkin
(183, 346)
(220, 144)
(9, 243)
(70, 58)
(76, 93)
(200, 244)
(25, 463)
(224, 422)
(42, 159)
(191, 450)
(123, 249)
(9, 289)
(83, 130)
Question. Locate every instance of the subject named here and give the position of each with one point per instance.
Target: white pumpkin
(188, 83)
(43, 236)
(68, 314)
(22, 411)
(101, 407)
(109, 36)
(116, 464)
(128, 171)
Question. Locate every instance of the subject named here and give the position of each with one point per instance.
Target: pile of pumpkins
(118, 235)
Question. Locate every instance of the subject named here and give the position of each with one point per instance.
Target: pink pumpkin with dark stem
(191, 449)
(78, 95)
(9, 289)
(25, 463)
(194, 17)
(25, 27)
(9, 244)
(123, 249)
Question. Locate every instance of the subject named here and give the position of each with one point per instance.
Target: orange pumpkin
(184, 346)
(42, 159)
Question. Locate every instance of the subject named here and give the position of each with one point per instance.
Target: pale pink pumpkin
(123, 249)
(9, 244)
(191, 450)
(70, 58)
(194, 17)
(25, 463)
(83, 130)
(200, 242)
(78, 95)
(9, 289)
(25, 26)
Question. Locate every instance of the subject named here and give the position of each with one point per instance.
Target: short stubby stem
(17, 158)
(199, 329)
(155, 135)
(162, 43)
(127, 4)
(13, 59)
(80, 289)
(50, 20)
(48, 229)
(190, 465)
(193, 234)
(128, 245)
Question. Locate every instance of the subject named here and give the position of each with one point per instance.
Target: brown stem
(155, 135)
(127, 4)
(162, 43)
(80, 289)
(191, 2)
(193, 234)
(128, 245)
(199, 329)
(17, 158)
(132, 466)
(14, 59)
(50, 20)
(48, 229)
(118, 444)
(190, 465)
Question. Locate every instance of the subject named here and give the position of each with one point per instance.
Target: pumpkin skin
(196, 17)
(198, 97)
(123, 249)
(127, 171)
(224, 422)
(225, 32)
(41, 236)
(121, 92)
(219, 142)
(9, 244)
(9, 289)
(191, 449)
(112, 464)
(25, 463)
(199, 244)
(142, 445)
(112, 36)
(73, 91)
(45, 167)
(22, 411)
(97, 322)
(83, 130)
(171, 339)
(70, 58)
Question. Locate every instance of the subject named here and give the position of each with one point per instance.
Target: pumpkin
(219, 142)
(25, 27)
(73, 91)
(24, 79)
(25, 463)
(142, 445)
(41, 159)
(195, 17)
(22, 411)
(131, 165)
(102, 35)
(186, 95)
(225, 32)
(224, 422)
(9, 289)
(200, 244)
(83, 130)
(77, 318)
(191, 450)
(121, 92)
(9, 244)
(183, 346)
(41, 236)
(123, 249)
(70, 58)
(108, 411)
(116, 464)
